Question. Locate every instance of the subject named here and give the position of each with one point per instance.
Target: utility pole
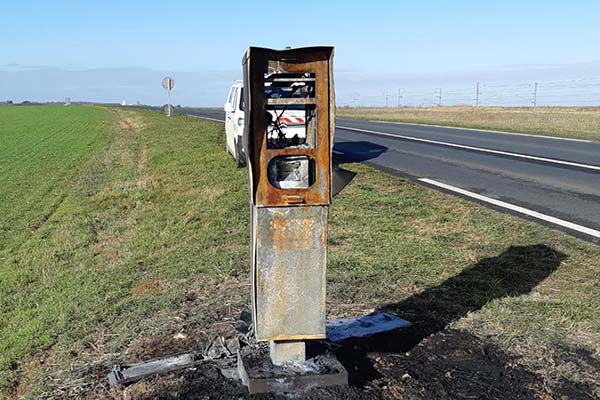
(400, 97)
(387, 98)
(535, 87)
(355, 100)
(477, 96)
(439, 97)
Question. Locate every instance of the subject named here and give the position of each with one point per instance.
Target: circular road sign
(168, 83)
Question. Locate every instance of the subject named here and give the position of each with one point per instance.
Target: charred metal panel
(289, 272)
(310, 66)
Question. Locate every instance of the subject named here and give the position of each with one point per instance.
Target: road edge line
(515, 208)
(480, 149)
(208, 118)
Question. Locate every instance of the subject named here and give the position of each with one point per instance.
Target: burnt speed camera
(288, 140)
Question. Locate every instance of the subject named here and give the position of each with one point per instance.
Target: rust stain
(291, 234)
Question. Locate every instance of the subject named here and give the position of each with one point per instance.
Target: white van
(287, 124)
(234, 122)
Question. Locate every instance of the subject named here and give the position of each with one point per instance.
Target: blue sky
(116, 50)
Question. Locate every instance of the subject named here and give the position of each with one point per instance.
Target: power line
(555, 92)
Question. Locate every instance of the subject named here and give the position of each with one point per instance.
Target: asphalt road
(555, 182)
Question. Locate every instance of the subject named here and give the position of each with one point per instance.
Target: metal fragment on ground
(378, 322)
(134, 372)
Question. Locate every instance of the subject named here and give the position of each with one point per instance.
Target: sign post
(168, 84)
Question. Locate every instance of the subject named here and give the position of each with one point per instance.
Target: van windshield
(274, 91)
(290, 86)
(284, 92)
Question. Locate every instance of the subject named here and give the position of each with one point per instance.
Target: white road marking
(512, 207)
(456, 127)
(499, 203)
(485, 130)
(212, 119)
(483, 150)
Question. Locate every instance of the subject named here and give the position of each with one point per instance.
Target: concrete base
(260, 375)
(282, 352)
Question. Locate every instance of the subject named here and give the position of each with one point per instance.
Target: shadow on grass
(515, 272)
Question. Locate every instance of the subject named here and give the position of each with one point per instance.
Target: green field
(121, 229)
(574, 122)
(43, 151)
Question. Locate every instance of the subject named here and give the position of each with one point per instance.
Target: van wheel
(239, 160)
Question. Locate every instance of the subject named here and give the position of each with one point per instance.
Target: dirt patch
(107, 249)
(131, 122)
(146, 182)
(147, 287)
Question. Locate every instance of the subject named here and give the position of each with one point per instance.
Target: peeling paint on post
(291, 254)
(290, 187)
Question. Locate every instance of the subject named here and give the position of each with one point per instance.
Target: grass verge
(572, 122)
(146, 255)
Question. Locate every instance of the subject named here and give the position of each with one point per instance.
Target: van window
(234, 97)
(230, 96)
(242, 99)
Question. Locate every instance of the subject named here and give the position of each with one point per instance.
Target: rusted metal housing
(257, 63)
(290, 188)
